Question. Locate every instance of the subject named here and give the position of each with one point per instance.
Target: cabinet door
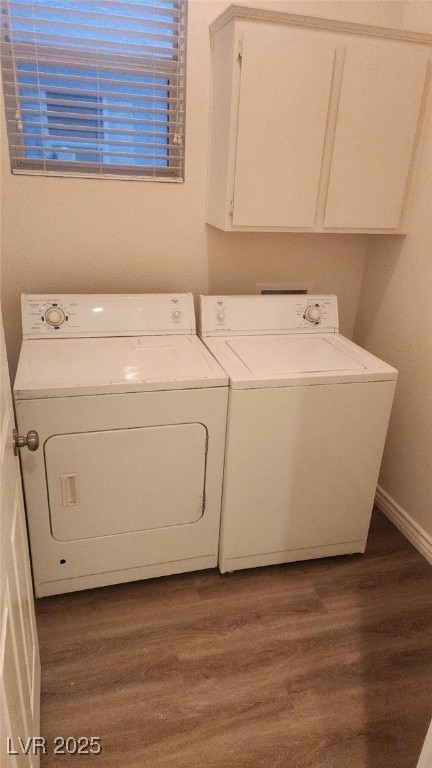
(379, 107)
(285, 87)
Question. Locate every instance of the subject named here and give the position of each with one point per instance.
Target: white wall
(63, 234)
(395, 322)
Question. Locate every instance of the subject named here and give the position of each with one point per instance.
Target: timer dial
(313, 313)
(54, 316)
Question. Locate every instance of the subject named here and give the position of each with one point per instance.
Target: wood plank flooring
(321, 664)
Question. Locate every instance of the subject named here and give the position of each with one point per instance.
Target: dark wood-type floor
(323, 664)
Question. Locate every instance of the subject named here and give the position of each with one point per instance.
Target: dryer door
(117, 481)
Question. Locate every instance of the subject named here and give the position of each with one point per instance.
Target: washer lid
(72, 367)
(263, 361)
(283, 355)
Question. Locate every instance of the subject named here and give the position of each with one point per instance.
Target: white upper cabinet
(379, 107)
(313, 129)
(284, 97)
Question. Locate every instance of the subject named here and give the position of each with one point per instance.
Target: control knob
(313, 313)
(54, 316)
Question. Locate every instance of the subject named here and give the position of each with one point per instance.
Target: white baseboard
(402, 520)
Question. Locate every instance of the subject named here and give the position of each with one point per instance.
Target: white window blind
(95, 88)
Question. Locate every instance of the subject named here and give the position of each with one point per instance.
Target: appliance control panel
(91, 315)
(268, 314)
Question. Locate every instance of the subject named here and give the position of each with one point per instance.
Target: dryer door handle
(69, 490)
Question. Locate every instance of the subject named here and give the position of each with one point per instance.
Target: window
(95, 89)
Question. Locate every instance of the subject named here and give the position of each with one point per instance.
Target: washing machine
(307, 420)
(124, 412)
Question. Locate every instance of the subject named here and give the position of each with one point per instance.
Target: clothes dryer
(130, 410)
(307, 420)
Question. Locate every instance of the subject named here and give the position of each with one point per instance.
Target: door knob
(31, 441)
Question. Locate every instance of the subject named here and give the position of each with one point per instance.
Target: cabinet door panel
(285, 87)
(379, 106)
